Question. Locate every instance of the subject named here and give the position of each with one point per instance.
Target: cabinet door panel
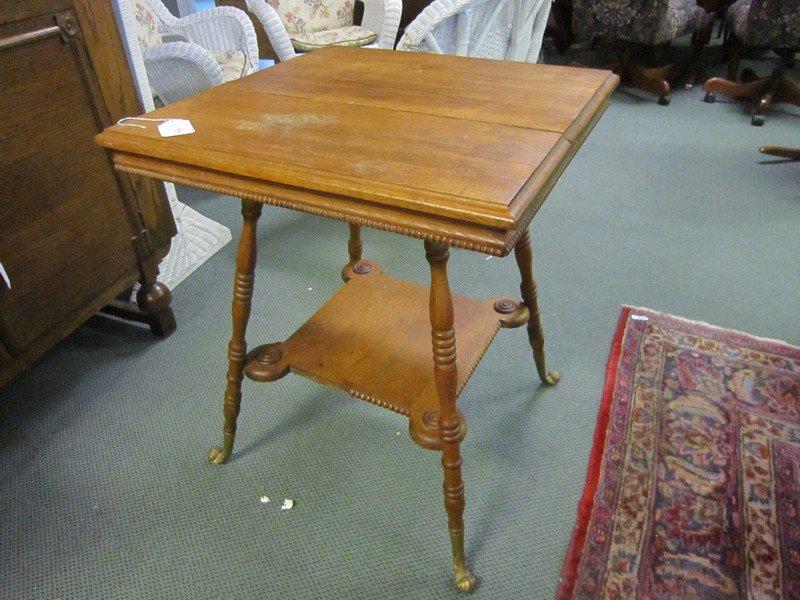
(64, 233)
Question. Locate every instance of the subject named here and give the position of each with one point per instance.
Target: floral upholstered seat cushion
(310, 16)
(232, 63)
(648, 22)
(146, 23)
(766, 23)
(352, 35)
(682, 18)
(736, 17)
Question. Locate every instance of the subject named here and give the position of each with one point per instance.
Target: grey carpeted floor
(105, 489)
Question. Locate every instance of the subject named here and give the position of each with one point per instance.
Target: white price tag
(4, 276)
(173, 127)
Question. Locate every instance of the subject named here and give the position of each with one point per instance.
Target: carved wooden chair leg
(652, 80)
(790, 153)
(700, 40)
(240, 312)
(524, 257)
(765, 100)
(789, 89)
(444, 366)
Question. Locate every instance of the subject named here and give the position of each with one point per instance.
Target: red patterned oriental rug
(693, 487)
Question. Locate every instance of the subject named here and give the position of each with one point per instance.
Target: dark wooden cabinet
(74, 234)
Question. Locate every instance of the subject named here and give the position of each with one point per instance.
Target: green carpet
(105, 489)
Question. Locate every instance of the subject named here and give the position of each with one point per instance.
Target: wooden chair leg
(734, 57)
(524, 257)
(789, 90)
(790, 153)
(700, 40)
(240, 313)
(733, 89)
(443, 338)
(652, 80)
(767, 95)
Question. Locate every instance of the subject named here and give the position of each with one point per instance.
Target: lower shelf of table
(372, 339)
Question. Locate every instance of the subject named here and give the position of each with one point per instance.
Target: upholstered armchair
(186, 55)
(763, 24)
(496, 29)
(302, 25)
(640, 27)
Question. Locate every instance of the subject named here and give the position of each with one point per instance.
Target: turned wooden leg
(354, 245)
(154, 299)
(524, 256)
(153, 304)
(240, 311)
(356, 265)
(444, 368)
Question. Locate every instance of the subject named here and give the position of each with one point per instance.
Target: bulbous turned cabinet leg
(444, 366)
(524, 257)
(240, 311)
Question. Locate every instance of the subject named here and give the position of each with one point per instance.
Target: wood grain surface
(464, 141)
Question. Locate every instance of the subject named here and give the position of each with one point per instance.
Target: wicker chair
(302, 25)
(762, 24)
(188, 55)
(643, 27)
(496, 29)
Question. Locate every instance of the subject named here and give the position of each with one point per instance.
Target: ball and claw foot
(758, 120)
(664, 100)
(710, 97)
(552, 378)
(465, 583)
(219, 455)
(463, 578)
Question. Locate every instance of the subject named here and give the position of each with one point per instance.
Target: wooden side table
(455, 151)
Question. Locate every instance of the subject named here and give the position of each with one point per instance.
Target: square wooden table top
(458, 150)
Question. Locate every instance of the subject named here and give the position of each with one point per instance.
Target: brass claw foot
(551, 378)
(465, 581)
(219, 455)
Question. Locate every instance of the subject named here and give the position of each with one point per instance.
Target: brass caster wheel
(710, 97)
(664, 100)
(758, 120)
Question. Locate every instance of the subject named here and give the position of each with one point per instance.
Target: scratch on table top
(285, 121)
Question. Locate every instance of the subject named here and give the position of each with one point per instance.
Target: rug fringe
(717, 328)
